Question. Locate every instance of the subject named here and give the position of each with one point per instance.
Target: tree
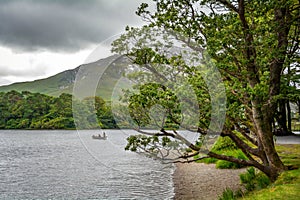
(60, 114)
(28, 110)
(250, 42)
(288, 95)
(99, 113)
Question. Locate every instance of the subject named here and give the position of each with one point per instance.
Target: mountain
(97, 78)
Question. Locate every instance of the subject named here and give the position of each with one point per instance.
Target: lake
(63, 164)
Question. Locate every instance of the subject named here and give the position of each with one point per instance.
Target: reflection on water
(67, 165)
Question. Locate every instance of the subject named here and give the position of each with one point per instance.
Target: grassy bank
(287, 187)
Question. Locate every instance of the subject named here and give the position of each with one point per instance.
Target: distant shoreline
(296, 133)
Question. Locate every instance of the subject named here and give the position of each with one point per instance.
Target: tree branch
(276, 65)
(228, 5)
(241, 144)
(235, 160)
(243, 132)
(173, 135)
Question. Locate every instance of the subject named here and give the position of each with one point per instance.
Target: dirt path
(202, 181)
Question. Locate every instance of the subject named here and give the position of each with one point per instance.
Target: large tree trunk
(273, 166)
(263, 111)
(248, 60)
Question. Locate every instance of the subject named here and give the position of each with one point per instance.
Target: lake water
(70, 165)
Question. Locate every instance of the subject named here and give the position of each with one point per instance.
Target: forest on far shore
(26, 110)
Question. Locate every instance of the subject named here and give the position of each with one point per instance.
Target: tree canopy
(253, 45)
(28, 110)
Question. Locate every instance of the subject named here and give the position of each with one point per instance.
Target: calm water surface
(71, 165)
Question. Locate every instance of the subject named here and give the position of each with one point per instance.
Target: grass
(287, 186)
(225, 146)
(223, 164)
(228, 194)
(295, 126)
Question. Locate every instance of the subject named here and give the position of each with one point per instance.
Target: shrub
(227, 194)
(247, 178)
(223, 164)
(209, 160)
(254, 180)
(223, 144)
(262, 181)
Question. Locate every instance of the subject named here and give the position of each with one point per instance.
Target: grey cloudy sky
(30, 29)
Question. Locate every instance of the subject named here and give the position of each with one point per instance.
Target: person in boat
(104, 135)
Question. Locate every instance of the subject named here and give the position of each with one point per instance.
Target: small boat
(100, 137)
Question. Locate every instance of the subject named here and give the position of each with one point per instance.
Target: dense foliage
(254, 45)
(38, 111)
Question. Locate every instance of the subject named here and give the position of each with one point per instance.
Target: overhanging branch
(173, 135)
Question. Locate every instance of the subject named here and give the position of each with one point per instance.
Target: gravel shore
(203, 181)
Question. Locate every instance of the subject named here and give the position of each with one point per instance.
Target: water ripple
(55, 165)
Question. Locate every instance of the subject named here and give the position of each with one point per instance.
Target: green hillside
(54, 85)
(102, 74)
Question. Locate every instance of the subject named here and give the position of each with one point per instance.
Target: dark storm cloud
(34, 25)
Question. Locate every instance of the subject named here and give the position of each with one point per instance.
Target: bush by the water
(228, 194)
(286, 187)
(254, 180)
(237, 153)
(225, 146)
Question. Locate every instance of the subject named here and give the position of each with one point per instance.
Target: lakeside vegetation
(257, 186)
(249, 50)
(255, 51)
(26, 110)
